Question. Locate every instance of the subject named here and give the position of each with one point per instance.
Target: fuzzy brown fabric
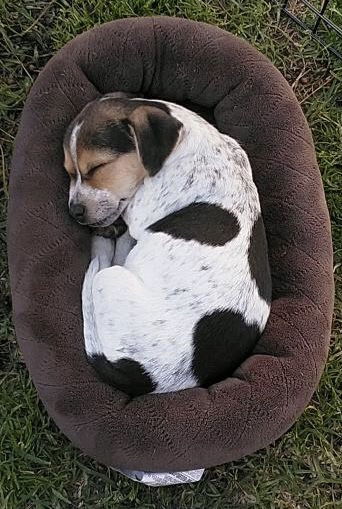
(237, 87)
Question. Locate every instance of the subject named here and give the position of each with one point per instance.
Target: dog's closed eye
(92, 170)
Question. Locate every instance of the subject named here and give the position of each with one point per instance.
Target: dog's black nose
(77, 210)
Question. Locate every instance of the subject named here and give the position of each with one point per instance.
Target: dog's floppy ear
(156, 133)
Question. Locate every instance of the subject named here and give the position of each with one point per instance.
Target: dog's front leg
(123, 246)
(123, 242)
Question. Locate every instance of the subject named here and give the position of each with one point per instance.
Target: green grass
(38, 466)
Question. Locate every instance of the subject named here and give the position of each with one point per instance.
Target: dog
(184, 297)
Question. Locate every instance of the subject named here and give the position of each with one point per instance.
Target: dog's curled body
(193, 295)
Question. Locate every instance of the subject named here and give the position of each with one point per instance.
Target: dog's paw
(112, 231)
(102, 248)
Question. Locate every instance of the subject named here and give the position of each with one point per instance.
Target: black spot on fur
(115, 136)
(126, 375)
(189, 181)
(258, 260)
(222, 341)
(113, 231)
(178, 291)
(203, 222)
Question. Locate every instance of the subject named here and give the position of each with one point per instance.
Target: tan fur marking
(89, 158)
(119, 174)
(68, 164)
(121, 177)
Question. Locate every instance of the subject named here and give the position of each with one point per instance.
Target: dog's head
(110, 147)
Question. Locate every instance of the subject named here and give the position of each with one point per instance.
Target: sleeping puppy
(186, 304)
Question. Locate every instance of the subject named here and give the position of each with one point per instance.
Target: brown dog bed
(239, 89)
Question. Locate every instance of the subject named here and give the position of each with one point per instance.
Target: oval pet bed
(239, 90)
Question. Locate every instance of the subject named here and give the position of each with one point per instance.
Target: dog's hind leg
(123, 309)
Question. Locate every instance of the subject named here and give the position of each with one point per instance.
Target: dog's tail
(102, 254)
